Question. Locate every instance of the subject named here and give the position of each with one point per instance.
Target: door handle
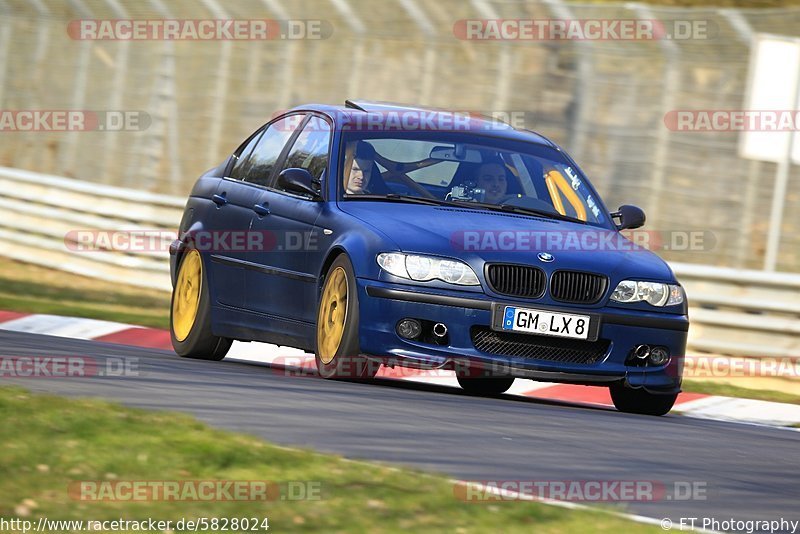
(220, 200)
(261, 209)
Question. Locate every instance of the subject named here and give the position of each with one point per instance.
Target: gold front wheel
(332, 317)
(338, 350)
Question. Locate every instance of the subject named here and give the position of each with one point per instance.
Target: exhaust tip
(439, 330)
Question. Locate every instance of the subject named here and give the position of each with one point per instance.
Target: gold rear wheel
(190, 312)
(186, 300)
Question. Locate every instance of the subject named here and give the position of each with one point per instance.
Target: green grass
(49, 442)
(727, 390)
(32, 289)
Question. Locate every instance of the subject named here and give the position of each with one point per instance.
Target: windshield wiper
(542, 213)
(399, 198)
(510, 208)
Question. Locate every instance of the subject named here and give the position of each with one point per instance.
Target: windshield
(476, 171)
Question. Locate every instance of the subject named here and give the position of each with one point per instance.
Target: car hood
(478, 236)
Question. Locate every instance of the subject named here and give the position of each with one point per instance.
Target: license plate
(546, 323)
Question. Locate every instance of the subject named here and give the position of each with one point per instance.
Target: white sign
(772, 86)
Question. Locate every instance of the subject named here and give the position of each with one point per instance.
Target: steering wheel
(397, 176)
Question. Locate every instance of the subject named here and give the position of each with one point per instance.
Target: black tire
(346, 362)
(200, 343)
(488, 386)
(640, 401)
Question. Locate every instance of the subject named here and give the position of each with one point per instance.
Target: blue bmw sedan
(377, 234)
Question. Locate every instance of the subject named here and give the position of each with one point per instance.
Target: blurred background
(604, 101)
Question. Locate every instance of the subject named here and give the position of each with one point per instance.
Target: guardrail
(741, 312)
(734, 312)
(40, 211)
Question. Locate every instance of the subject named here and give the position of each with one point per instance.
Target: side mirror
(629, 217)
(299, 181)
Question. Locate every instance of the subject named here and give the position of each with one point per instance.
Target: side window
(242, 154)
(259, 166)
(310, 150)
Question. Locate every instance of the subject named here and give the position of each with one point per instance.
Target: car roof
(486, 124)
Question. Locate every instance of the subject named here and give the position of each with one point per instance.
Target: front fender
(361, 242)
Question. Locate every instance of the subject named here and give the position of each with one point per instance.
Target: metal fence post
(503, 86)
(220, 92)
(671, 84)
(582, 93)
(352, 19)
(118, 84)
(5, 39)
(69, 151)
(429, 60)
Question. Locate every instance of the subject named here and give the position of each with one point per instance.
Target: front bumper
(382, 305)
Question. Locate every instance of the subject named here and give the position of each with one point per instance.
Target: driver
(492, 178)
(356, 182)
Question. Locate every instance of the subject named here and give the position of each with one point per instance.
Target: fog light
(409, 329)
(659, 355)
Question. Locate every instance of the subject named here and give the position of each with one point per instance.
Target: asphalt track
(750, 472)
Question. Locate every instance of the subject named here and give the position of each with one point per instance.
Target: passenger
(363, 163)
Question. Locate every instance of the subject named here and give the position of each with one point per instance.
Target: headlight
(425, 268)
(655, 293)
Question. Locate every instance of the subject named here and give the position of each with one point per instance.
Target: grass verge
(33, 289)
(728, 390)
(52, 442)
